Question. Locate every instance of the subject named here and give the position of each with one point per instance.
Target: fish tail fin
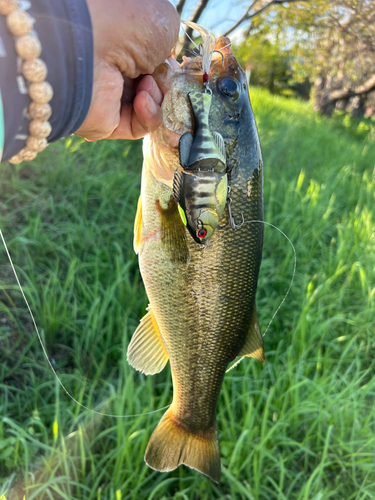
(172, 444)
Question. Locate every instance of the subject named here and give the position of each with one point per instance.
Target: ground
(299, 428)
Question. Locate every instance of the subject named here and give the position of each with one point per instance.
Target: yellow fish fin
(253, 347)
(172, 444)
(173, 232)
(146, 351)
(138, 227)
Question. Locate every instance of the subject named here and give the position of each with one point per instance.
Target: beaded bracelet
(29, 48)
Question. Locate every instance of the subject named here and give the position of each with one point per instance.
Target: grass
(302, 427)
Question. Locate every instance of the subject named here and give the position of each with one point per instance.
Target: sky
(219, 14)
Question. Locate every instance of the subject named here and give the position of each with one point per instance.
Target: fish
(201, 198)
(202, 308)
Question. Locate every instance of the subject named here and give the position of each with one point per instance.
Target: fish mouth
(176, 80)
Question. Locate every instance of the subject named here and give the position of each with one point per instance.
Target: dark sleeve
(64, 29)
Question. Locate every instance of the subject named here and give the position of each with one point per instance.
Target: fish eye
(229, 87)
(202, 232)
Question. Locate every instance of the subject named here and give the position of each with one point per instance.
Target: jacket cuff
(65, 31)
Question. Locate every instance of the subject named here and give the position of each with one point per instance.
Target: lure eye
(229, 87)
(202, 232)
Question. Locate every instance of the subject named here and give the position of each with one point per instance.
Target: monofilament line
(46, 355)
(290, 285)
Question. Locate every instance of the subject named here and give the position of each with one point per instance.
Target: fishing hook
(207, 89)
(232, 224)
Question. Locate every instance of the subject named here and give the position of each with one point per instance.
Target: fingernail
(150, 105)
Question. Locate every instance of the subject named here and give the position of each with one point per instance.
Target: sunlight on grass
(301, 427)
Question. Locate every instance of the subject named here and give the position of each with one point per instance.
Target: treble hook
(222, 56)
(232, 224)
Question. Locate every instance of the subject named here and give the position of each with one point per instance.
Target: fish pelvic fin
(146, 351)
(138, 227)
(172, 444)
(253, 347)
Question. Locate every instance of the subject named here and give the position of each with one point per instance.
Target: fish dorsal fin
(177, 177)
(186, 141)
(146, 351)
(220, 144)
(253, 347)
(138, 227)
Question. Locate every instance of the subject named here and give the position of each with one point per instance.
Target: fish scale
(202, 297)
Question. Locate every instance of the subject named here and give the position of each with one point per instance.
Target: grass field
(302, 427)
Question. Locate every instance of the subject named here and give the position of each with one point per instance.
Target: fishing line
(289, 288)
(46, 355)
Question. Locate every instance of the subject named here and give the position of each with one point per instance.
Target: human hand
(131, 37)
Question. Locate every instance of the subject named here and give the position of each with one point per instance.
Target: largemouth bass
(202, 310)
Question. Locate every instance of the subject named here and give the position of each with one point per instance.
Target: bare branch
(194, 18)
(242, 19)
(367, 87)
(247, 16)
(180, 6)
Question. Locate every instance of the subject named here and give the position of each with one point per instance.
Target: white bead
(40, 112)
(28, 47)
(35, 144)
(41, 92)
(8, 6)
(19, 23)
(40, 129)
(35, 70)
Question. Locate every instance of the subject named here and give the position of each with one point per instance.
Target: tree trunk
(357, 106)
(322, 102)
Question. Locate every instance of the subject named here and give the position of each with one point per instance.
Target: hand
(131, 37)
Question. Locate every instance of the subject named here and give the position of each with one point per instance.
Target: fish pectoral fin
(146, 351)
(138, 227)
(173, 444)
(220, 144)
(186, 141)
(253, 347)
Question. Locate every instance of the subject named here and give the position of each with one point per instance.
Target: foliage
(299, 428)
(269, 64)
(331, 42)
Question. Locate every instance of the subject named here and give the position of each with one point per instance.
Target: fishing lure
(201, 188)
(201, 198)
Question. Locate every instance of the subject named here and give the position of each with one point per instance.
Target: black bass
(202, 310)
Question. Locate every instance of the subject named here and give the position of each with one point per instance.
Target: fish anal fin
(253, 347)
(146, 351)
(138, 227)
(184, 149)
(172, 444)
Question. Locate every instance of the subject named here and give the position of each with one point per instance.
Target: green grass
(302, 427)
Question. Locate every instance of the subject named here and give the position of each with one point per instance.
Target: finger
(139, 118)
(148, 113)
(173, 63)
(149, 84)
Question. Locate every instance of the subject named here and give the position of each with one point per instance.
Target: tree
(335, 44)
(269, 64)
(332, 42)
